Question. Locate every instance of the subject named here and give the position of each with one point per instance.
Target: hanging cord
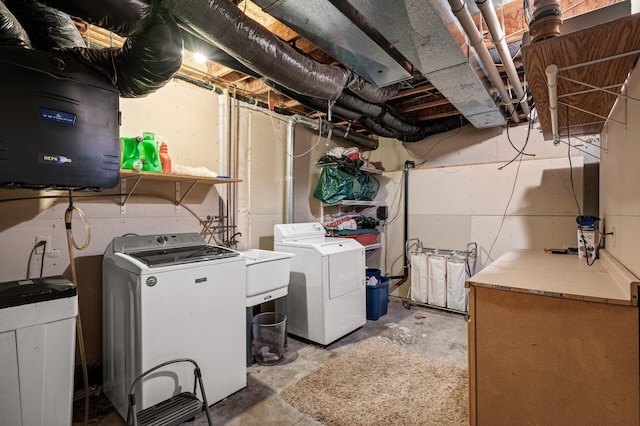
(71, 243)
(575, 198)
(42, 244)
(317, 142)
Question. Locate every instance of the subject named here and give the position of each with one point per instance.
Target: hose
(71, 243)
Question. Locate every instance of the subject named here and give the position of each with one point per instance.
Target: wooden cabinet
(553, 342)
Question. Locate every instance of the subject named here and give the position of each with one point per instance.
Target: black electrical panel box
(59, 123)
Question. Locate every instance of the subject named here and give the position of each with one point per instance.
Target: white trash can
(37, 349)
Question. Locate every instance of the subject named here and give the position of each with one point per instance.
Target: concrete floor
(434, 333)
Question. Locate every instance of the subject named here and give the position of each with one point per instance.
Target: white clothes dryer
(327, 294)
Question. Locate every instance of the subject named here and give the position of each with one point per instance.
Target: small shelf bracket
(124, 195)
(179, 198)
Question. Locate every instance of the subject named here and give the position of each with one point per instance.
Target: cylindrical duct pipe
(497, 36)
(461, 12)
(546, 20)
(123, 17)
(48, 28)
(11, 32)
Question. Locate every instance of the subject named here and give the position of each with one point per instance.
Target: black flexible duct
(146, 61)
(11, 32)
(213, 53)
(48, 28)
(152, 55)
(123, 17)
(315, 103)
(433, 128)
(259, 49)
(224, 25)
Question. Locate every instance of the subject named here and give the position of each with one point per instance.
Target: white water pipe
(552, 84)
(459, 9)
(497, 36)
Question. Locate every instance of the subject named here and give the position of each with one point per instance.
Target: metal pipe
(337, 131)
(459, 9)
(405, 266)
(497, 36)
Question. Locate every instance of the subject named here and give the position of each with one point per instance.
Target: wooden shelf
(126, 191)
(126, 174)
(582, 48)
(354, 203)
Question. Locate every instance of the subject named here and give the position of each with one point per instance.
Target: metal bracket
(179, 199)
(124, 196)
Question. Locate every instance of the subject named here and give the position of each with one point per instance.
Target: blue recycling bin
(377, 296)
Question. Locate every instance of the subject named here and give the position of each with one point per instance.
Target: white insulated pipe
(459, 9)
(497, 37)
(552, 84)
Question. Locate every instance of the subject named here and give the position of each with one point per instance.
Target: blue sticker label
(54, 159)
(57, 116)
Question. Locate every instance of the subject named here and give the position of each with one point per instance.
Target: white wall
(458, 193)
(620, 177)
(188, 118)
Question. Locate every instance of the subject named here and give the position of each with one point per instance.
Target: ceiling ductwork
(409, 38)
(426, 33)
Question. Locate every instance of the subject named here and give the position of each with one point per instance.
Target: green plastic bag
(335, 185)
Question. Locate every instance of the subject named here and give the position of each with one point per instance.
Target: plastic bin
(269, 329)
(377, 299)
(37, 343)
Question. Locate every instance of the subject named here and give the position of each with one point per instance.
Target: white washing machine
(172, 296)
(327, 294)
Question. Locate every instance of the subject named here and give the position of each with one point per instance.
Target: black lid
(23, 292)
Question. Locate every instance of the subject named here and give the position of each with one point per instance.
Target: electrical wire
(317, 142)
(518, 157)
(44, 250)
(573, 189)
(583, 240)
(33, 250)
(504, 215)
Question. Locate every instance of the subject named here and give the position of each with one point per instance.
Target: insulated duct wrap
(373, 94)
(11, 32)
(254, 46)
(146, 61)
(123, 17)
(48, 28)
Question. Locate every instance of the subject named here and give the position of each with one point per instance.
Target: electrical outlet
(47, 247)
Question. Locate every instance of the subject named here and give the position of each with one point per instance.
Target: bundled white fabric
(437, 282)
(419, 277)
(456, 276)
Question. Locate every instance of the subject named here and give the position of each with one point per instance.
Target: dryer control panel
(288, 232)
